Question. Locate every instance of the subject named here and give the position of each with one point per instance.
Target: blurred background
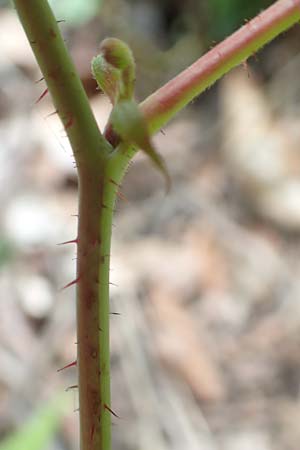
(205, 349)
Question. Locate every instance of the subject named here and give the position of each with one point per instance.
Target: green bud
(114, 70)
(108, 78)
(117, 53)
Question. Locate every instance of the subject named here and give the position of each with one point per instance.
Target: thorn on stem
(72, 364)
(71, 283)
(114, 182)
(72, 241)
(69, 388)
(111, 411)
(104, 206)
(122, 196)
(43, 94)
(52, 114)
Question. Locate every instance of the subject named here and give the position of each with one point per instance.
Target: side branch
(64, 85)
(163, 104)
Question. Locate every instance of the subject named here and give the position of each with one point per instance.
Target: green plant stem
(62, 80)
(96, 202)
(96, 207)
(94, 232)
(163, 104)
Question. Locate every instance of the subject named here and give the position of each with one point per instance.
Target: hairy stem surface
(62, 80)
(94, 231)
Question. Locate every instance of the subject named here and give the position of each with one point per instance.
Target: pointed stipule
(72, 364)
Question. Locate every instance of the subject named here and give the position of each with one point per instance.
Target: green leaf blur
(37, 433)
